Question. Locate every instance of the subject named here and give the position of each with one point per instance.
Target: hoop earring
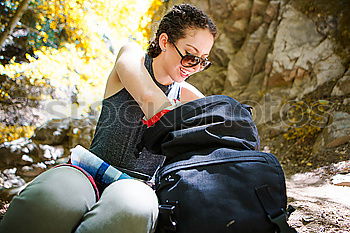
(164, 50)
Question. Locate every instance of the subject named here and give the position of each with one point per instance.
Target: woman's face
(197, 42)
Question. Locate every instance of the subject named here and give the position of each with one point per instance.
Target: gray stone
(14, 153)
(296, 35)
(9, 179)
(341, 180)
(346, 101)
(343, 85)
(31, 171)
(328, 69)
(53, 132)
(210, 81)
(268, 109)
(337, 132)
(240, 68)
(24, 152)
(253, 91)
(81, 131)
(52, 152)
(298, 46)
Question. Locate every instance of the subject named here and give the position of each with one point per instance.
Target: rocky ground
(23, 159)
(321, 206)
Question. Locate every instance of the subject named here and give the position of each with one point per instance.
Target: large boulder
(336, 133)
(270, 53)
(53, 132)
(342, 87)
(66, 131)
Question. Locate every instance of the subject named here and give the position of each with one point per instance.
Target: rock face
(23, 159)
(289, 59)
(270, 53)
(337, 132)
(52, 133)
(342, 88)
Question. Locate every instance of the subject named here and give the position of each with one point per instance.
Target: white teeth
(184, 72)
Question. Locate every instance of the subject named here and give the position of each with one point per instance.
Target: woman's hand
(130, 70)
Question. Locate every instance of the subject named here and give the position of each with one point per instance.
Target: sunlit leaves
(146, 21)
(74, 41)
(13, 132)
(7, 10)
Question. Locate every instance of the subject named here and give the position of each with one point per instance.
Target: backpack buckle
(281, 221)
(166, 213)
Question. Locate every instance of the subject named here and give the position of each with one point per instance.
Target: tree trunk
(15, 19)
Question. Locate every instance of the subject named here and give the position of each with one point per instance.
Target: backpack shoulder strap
(276, 215)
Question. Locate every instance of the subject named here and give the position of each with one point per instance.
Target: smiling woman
(139, 86)
(190, 60)
(196, 45)
(143, 85)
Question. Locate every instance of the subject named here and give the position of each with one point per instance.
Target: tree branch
(15, 19)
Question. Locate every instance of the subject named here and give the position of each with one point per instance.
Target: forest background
(55, 59)
(289, 59)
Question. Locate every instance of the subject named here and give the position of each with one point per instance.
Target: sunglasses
(190, 60)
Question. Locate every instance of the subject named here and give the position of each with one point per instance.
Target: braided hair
(175, 23)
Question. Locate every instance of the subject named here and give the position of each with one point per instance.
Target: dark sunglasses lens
(190, 60)
(206, 66)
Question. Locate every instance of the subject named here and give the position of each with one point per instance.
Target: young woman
(180, 49)
(62, 200)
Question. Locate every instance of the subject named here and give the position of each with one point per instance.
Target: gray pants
(62, 200)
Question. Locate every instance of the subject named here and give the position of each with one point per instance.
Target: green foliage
(146, 20)
(7, 9)
(73, 43)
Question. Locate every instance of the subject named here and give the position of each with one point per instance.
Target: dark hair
(175, 23)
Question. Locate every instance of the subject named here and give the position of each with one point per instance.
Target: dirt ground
(320, 205)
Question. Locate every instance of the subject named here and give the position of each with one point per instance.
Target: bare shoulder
(128, 64)
(130, 55)
(189, 92)
(131, 49)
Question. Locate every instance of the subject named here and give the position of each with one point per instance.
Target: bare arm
(133, 75)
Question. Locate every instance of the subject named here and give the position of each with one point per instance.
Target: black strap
(134, 174)
(277, 215)
(179, 93)
(166, 219)
(148, 64)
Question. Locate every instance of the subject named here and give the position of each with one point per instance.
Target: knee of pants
(59, 189)
(61, 186)
(57, 198)
(132, 200)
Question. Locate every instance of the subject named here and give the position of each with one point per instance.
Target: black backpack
(214, 179)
